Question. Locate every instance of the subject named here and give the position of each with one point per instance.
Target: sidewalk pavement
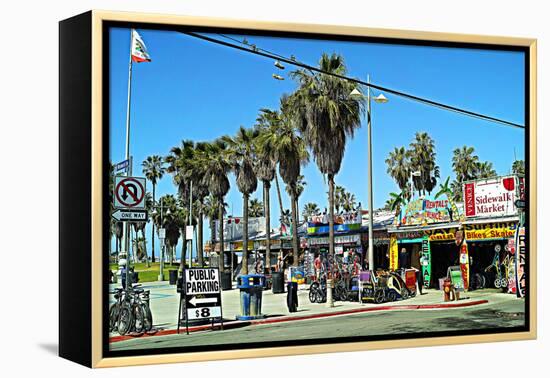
(165, 304)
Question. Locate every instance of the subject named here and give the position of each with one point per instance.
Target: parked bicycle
(131, 311)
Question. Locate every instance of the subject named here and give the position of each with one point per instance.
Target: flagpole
(127, 155)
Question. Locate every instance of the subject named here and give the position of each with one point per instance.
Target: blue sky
(197, 90)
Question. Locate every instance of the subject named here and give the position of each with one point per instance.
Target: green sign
(426, 261)
(456, 279)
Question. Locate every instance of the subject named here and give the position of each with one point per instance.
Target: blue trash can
(251, 287)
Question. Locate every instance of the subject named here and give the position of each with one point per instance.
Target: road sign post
(200, 296)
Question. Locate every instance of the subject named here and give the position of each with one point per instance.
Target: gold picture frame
(85, 35)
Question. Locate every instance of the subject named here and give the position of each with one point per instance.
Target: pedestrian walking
(317, 264)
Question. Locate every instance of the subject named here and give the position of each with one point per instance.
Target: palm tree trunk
(279, 193)
(183, 249)
(145, 247)
(294, 231)
(244, 266)
(220, 219)
(153, 231)
(267, 213)
(331, 214)
(200, 241)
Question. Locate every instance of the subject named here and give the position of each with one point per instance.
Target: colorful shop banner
(318, 224)
(394, 253)
(238, 246)
(492, 197)
(442, 234)
(233, 227)
(429, 210)
(487, 231)
(521, 242)
(342, 239)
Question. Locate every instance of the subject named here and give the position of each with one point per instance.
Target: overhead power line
(253, 49)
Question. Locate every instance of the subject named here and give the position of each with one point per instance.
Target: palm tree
(422, 159)
(448, 190)
(395, 202)
(290, 151)
(214, 157)
(310, 209)
(327, 115)
(242, 152)
(165, 218)
(518, 167)
(300, 187)
(465, 166)
(266, 171)
(255, 208)
(179, 166)
(399, 167)
(339, 192)
(465, 163)
(485, 170)
(153, 169)
(348, 202)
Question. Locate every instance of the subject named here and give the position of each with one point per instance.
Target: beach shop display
(136, 172)
(428, 210)
(345, 222)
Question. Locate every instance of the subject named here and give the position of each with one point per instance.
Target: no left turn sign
(129, 192)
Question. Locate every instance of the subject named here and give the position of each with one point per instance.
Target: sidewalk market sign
(427, 210)
(493, 197)
(319, 224)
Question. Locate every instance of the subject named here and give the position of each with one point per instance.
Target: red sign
(491, 197)
(469, 201)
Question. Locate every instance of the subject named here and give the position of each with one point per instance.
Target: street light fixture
(415, 174)
(381, 99)
(162, 235)
(277, 77)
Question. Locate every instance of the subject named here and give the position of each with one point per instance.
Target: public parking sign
(202, 292)
(129, 193)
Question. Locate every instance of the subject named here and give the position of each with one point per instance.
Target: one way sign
(130, 216)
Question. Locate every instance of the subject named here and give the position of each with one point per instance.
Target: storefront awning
(491, 220)
(439, 226)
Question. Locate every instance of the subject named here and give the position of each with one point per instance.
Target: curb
(282, 319)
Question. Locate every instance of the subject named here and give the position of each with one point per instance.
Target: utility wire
(253, 49)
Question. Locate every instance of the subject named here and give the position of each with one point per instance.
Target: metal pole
(369, 130)
(191, 224)
(161, 269)
(127, 155)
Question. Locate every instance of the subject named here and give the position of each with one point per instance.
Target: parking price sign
(202, 294)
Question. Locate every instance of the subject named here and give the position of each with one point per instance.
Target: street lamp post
(162, 237)
(379, 99)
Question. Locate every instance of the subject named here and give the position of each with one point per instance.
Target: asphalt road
(509, 313)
